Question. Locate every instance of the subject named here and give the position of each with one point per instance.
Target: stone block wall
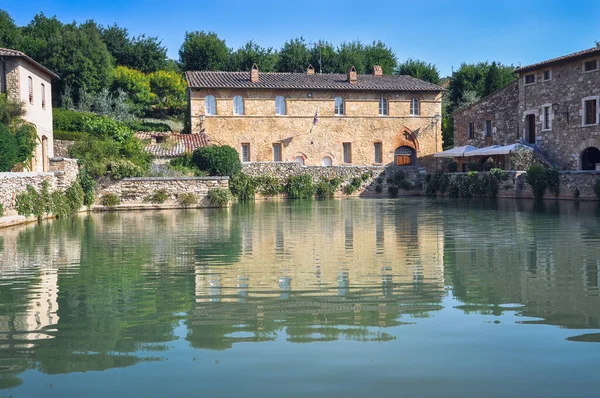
(135, 191)
(65, 171)
(61, 148)
(12, 184)
(378, 174)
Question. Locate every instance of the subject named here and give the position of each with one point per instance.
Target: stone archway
(590, 157)
(583, 147)
(299, 157)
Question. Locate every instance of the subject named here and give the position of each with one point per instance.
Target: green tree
(377, 53)
(137, 87)
(323, 57)
(420, 70)
(244, 57)
(351, 54)
(142, 52)
(8, 149)
(203, 51)
(170, 92)
(10, 36)
(294, 56)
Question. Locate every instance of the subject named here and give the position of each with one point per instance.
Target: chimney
(352, 75)
(310, 70)
(254, 74)
(377, 70)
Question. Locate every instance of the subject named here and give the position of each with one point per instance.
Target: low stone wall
(135, 191)
(61, 148)
(66, 171)
(12, 184)
(377, 174)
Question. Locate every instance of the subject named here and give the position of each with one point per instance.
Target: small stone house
(166, 146)
(319, 119)
(25, 80)
(553, 106)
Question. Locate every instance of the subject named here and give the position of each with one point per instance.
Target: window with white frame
(238, 105)
(530, 79)
(245, 152)
(547, 75)
(339, 106)
(210, 105)
(383, 107)
(30, 86)
(589, 66)
(279, 105)
(547, 117)
(415, 107)
(590, 111)
(471, 130)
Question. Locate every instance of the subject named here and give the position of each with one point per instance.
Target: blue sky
(443, 32)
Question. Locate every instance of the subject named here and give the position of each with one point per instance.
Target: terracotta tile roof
(570, 57)
(7, 52)
(175, 145)
(268, 80)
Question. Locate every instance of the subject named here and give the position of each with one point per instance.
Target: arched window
(383, 107)
(238, 105)
(415, 107)
(279, 105)
(210, 105)
(339, 106)
(327, 161)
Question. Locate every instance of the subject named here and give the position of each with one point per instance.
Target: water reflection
(110, 290)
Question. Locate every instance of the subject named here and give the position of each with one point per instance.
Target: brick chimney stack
(254, 74)
(352, 75)
(377, 71)
(310, 70)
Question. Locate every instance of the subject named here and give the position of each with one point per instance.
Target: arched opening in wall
(327, 161)
(44, 154)
(405, 156)
(590, 157)
(300, 158)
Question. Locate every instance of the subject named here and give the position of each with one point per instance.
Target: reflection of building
(29, 82)
(318, 119)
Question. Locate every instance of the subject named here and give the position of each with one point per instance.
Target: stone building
(319, 119)
(25, 80)
(554, 106)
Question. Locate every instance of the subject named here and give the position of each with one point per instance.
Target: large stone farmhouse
(318, 119)
(25, 80)
(553, 106)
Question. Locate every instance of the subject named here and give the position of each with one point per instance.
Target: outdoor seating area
(496, 156)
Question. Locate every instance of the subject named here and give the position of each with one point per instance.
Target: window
(589, 66)
(530, 79)
(378, 152)
(347, 152)
(245, 152)
(487, 128)
(339, 106)
(471, 130)
(383, 107)
(547, 75)
(279, 105)
(30, 82)
(277, 152)
(238, 105)
(415, 107)
(590, 111)
(43, 96)
(210, 105)
(547, 117)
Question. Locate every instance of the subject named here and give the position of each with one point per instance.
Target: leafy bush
(300, 187)
(138, 125)
(355, 184)
(17, 144)
(75, 198)
(436, 182)
(366, 176)
(69, 120)
(110, 200)
(536, 178)
(523, 159)
(69, 135)
(474, 166)
(106, 127)
(378, 188)
(268, 186)
(499, 174)
(87, 184)
(60, 204)
(186, 166)
(187, 199)
(597, 188)
(219, 197)
(119, 169)
(326, 188)
(218, 160)
(393, 191)
(1, 210)
(158, 197)
(553, 180)
(242, 187)
(452, 167)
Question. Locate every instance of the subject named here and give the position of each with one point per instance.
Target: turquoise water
(352, 298)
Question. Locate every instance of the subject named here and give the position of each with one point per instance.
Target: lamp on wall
(556, 108)
(202, 117)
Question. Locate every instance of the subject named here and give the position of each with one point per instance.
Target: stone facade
(549, 112)
(361, 126)
(134, 191)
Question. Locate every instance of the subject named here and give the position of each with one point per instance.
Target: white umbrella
(455, 152)
(482, 151)
(506, 149)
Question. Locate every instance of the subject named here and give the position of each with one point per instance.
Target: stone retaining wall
(137, 190)
(61, 148)
(12, 184)
(377, 174)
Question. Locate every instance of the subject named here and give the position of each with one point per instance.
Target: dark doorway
(589, 158)
(530, 129)
(405, 156)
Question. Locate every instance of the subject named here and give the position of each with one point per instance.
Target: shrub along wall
(379, 180)
(168, 192)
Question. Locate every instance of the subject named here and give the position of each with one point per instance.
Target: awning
(482, 151)
(506, 149)
(455, 152)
